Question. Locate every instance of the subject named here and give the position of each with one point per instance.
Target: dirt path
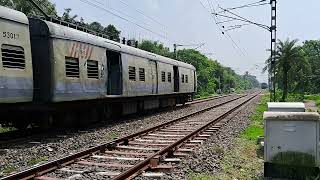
(310, 105)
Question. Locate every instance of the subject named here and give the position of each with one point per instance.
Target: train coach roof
(13, 15)
(63, 32)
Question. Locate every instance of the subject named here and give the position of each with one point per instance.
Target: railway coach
(75, 74)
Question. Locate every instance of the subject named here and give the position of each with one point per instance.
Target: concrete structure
(291, 140)
(286, 106)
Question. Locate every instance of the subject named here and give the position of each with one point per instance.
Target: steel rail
(208, 99)
(170, 148)
(55, 164)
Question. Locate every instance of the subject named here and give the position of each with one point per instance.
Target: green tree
(112, 32)
(312, 53)
(291, 67)
(96, 26)
(155, 47)
(66, 16)
(28, 9)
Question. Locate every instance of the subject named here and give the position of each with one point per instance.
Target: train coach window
(13, 57)
(142, 76)
(92, 69)
(182, 78)
(72, 67)
(169, 76)
(163, 76)
(132, 73)
(186, 78)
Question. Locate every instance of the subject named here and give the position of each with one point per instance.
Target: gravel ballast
(24, 155)
(206, 159)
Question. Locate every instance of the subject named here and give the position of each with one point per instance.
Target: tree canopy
(28, 9)
(292, 67)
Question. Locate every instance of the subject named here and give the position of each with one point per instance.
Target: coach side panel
(79, 71)
(16, 79)
(186, 80)
(137, 76)
(165, 78)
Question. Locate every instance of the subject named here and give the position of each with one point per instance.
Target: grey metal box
(294, 133)
(286, 106)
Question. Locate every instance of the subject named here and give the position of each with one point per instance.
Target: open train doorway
(176, 78)
(114, 82)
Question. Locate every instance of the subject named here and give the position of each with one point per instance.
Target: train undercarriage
(83, 113)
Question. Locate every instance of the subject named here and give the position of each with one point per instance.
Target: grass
(256, 127)
(111, 136)
(252, 132)
(244, 160)
(314, 97)
(200, 176)
(36, 161)
(199, 97)
(8, 170)
(6, 129)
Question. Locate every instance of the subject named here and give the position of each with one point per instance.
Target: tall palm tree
(289, 57)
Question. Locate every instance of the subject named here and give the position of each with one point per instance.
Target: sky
(188, 22)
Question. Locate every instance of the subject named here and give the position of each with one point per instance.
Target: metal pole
(175, 50)
(220, 84)
(273, 30)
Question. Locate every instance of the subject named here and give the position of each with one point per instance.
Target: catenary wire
(123, 18)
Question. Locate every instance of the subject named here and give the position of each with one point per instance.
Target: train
(51, 73)
(264, 85)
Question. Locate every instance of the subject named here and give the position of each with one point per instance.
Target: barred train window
(182, 78)
(13, 57)
(186, 78)
(169, 76)
(72, 67)
(163, 76)
(92, 69)
(142, 76)
(132, 73)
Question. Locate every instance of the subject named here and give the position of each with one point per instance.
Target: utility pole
(175, 50)
(220, 84)
(273, 31)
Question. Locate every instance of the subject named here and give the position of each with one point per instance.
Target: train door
(114, 82)
(154, 77)
(176, 78)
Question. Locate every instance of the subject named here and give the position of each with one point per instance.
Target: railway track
(154, 149)
(209, 99)
(18, 136)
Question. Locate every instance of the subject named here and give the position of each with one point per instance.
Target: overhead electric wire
(211, 11)
(226, 21)
(126, 15)
(123, 18)
(237, 19)
(249, 5)
(142, 13)
(229, 28)
(242, 18)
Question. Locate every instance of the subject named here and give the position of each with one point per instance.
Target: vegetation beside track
(6, 129)
(37, 161)
(244, 160)
(313, 97)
